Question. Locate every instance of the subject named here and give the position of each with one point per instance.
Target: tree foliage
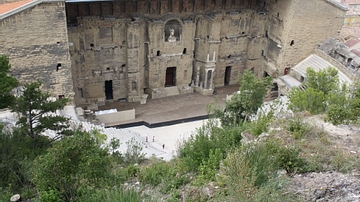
(7, 83)
(323, 93)
(72, 163)
(245, 103)
(37, 111)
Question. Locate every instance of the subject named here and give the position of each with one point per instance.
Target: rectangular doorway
(170, 76)
(108, 90)
(227, 75)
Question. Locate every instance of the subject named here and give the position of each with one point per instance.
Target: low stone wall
(116, 117)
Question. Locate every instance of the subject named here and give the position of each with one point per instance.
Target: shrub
(134, 153)
(196, 150)
(71, 163)
(298, 128)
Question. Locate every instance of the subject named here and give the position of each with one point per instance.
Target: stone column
(205, 82)
(211, 79)
(197, 77)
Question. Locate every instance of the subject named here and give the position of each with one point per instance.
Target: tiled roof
(356, 52)
(4, 8)
(9, 9)
(351, 42)
(317, 63)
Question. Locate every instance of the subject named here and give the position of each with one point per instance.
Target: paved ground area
(174, 107)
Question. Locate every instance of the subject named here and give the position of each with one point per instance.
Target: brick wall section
(36, 42)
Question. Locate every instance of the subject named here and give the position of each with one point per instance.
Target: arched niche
(172, 31)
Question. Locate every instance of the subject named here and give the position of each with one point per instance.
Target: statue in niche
(172, 38)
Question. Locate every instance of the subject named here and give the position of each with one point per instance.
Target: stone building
(140, 49)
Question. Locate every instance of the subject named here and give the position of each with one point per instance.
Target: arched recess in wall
(172, 31)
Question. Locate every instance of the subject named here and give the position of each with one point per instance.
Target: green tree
(37, 111)
(324, 80)
(248, 100)
(72, 164)
(318, 87)
(7, 83)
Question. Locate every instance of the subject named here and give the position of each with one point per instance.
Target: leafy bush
(50, 196)
(310, 100)
(196, 150)
(247, 101)
(208, 169)
(133, 153)
(110, 195)
(298, 128)
(71, 163)
(166, 174)
(251, 170)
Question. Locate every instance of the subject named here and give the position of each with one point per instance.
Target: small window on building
(185, 74)
(81, 94)
(58, 66)
(262, 53)
(266, 34)
(58, 43)
(91, 45)
(108, 68)
(134, 85)
(278, 14)
(184, 51)
(61, 96)
(158, 53)
(243, 33)
(253, 70)
(292, 43)
(229, 56)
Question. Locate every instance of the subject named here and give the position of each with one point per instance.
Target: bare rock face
(329, 186)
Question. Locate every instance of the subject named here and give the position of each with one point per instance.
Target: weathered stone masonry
(131, 49)
(36, 42)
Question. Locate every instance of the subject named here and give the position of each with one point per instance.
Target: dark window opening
(292, 43)
(264, 3)
(81, 93)
(58, 66)
(229, 56)
(122, 68)
(275, 87)
(242, 32)
(286, 70)
(278, 14)
(266, 74)
(349, 61)
(266, 34)
(108, 90)
(170, 77)
(108, 68)
(227, 75)
(262, 53)
(253, 70)
(158, 53)
(207, 36)
(134, 85)
(61, 97)
(58, 43)
(91, 45)
(184, 51)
